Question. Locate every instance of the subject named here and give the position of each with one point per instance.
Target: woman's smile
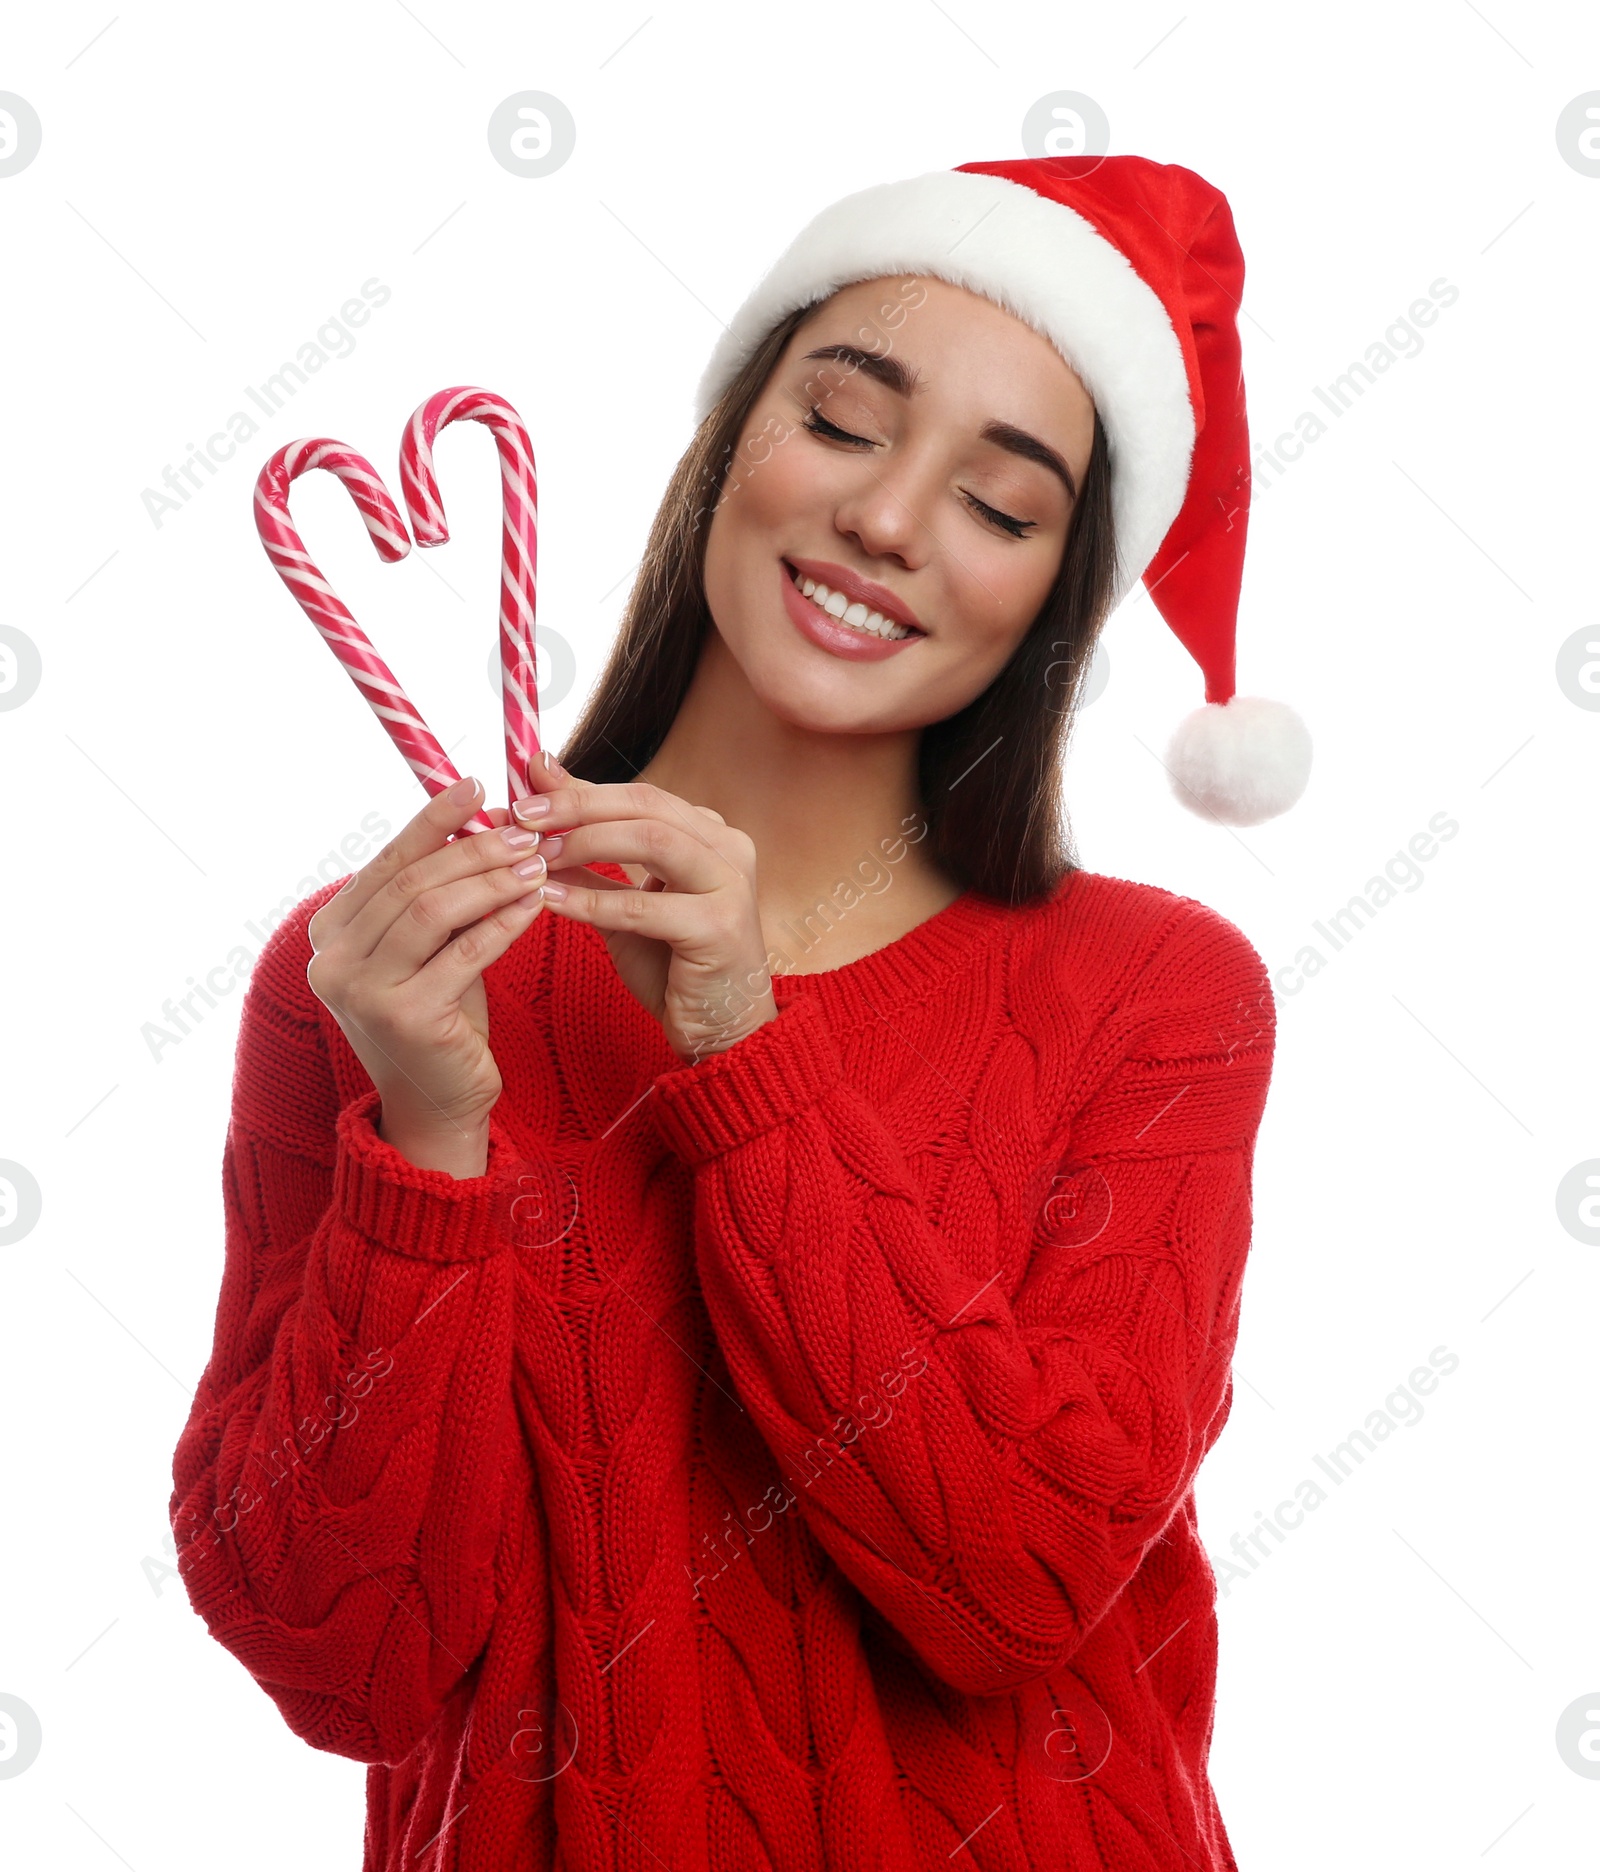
(870, 604)
(835, 622)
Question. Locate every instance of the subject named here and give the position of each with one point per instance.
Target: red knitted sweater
(780, 1463)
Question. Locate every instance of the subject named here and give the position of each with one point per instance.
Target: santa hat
(1132, 269)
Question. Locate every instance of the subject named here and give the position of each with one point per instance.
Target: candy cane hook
(519, 540)
(317, 598)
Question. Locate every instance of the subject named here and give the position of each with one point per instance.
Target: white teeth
(856, 615)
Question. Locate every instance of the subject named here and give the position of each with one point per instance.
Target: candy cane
(519, 540)
(317, 598)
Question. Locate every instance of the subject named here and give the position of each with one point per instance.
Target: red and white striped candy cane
(317, 598)
(519, 541)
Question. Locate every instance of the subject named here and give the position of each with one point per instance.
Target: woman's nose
(888, 514)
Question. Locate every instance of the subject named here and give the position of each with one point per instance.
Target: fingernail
(519, 839)
(552, 844)
(534, 808)
(554, 892)
(462, 791)
(530, 867)
(552, 765)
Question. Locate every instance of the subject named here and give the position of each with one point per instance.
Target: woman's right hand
(399, 955)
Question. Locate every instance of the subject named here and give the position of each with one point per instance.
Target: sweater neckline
(907, 966)
(909, 959)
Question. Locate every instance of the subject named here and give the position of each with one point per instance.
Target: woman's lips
(840, 640)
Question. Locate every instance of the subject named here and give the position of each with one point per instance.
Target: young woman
(731, 1274)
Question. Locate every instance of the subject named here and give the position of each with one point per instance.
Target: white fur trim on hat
(1043, 263)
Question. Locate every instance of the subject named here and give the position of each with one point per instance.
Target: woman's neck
(837, 819)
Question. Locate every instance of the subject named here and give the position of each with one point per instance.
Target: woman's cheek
(1014, 598)
(782, 492)
(987, 624)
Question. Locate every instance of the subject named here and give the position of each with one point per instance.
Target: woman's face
(911, 453)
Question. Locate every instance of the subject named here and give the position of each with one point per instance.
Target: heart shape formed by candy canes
(518, 568)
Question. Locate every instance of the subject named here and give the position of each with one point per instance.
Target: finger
(581, 803)
(685, 860)
(546, 775)
(423, 915)
(463, 857)
(666, 916)
(567, 809)
(428, 832)
(583, 877)
(581, 874)
(464, 958)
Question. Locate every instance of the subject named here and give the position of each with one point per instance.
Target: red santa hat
(1132, 269)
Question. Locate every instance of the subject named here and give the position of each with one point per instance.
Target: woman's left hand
(688, 943)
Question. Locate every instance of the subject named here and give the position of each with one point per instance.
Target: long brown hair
(990, 775)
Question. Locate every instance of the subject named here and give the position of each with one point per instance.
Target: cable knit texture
(777, 1463)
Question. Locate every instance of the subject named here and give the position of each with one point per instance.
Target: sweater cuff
(717, 1104)
(414, 1211)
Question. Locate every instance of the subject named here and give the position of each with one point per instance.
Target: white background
(214, 183)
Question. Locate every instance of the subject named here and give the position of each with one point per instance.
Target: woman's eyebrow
(884, 365)
(902, 378)
(1019, 442)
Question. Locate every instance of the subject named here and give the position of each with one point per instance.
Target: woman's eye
(1016, 528)
(818, 424)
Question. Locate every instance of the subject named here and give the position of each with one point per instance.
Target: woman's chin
(818, 693)
(831, 703)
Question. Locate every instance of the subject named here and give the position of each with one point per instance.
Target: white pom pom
(1240, 762)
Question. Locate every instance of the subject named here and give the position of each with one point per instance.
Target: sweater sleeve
(345, 1485)
(989, 1405)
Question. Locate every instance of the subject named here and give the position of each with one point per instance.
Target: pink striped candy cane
(317, 598)
(519, 541)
